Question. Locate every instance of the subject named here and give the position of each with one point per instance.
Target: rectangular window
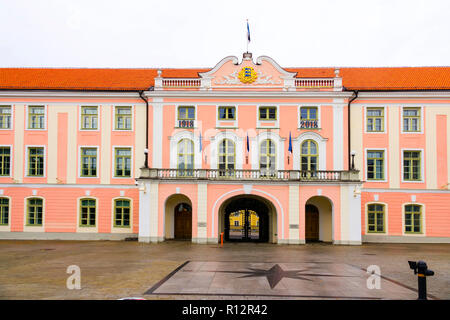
(36, 117)
(308, 113)
(375, 119)
(122, 213)
(122, 162)
(227, 113)
(375, 165)
(5, 161)
(4, 211)
(35, 161)
(411, 119)
(411, 165)
(87, 212)
(5, 117)
(123, 118)
(89, 118)
(375, 218)
(88, 162)
(35, 210)
(186, 113)
(267, 113)
(413, 218)
(309, 117)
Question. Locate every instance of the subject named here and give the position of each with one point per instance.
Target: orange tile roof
(396, 78)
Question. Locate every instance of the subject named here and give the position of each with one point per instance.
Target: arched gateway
(248, 218)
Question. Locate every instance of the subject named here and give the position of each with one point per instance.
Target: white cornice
(248, 94)
(286, 74)
(208, 74)
(69, 94)
(404, 94)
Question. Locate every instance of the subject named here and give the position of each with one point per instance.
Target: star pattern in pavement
(275, 274)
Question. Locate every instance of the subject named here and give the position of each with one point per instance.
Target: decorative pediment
(247, 74)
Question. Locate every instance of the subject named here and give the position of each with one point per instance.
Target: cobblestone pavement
(113, 270)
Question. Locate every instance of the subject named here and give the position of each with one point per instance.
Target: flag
(248, 32)
(290, 143)
(248, 144)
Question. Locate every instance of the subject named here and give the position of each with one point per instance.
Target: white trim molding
(279, 149)
(177, 137)
(238, 144)
(321, 144)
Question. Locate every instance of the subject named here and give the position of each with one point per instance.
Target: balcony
(250, 175)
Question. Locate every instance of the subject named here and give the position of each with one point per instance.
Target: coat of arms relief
(247, 75)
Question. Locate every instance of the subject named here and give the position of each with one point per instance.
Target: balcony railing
(272, 175)
(314, 83)
(181, 83)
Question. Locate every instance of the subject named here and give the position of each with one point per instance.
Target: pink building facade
(247, 150)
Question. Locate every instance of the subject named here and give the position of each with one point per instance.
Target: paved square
(319, 280)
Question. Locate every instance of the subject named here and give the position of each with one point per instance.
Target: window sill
(317, 129)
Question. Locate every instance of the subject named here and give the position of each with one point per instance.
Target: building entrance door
(183, 221)
(246, 219)
(311, 223)
(244, 225)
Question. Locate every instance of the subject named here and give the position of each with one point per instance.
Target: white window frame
(195, 106)
(11, 161)
(386, 220)
(319, 118)
(113, 125)
(423, 234)
(422, 166)
(12, 116)
(27, 148)
(98, 116)
(384, 118)
(233, 123)
(384, 164)
(321, 149)
(174, 148)
(8, 226)
(34, 228)
(79, 162)
(421, 119)
(256, 147)
(214, 148)
(27, 116)
(113, 173)
(128, 229)
(87, 229)
(276, 122)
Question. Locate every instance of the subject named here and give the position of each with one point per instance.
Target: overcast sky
(189, 33)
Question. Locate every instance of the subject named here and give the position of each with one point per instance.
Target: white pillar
(350, 215)
(338, 136)
(294, 215)
(148, 212)
(157, 132)
(202, 217)
(144, 212)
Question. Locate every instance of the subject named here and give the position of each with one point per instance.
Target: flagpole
(248, 35)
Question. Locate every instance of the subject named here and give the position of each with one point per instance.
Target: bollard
(421, 269)
(221, 239)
